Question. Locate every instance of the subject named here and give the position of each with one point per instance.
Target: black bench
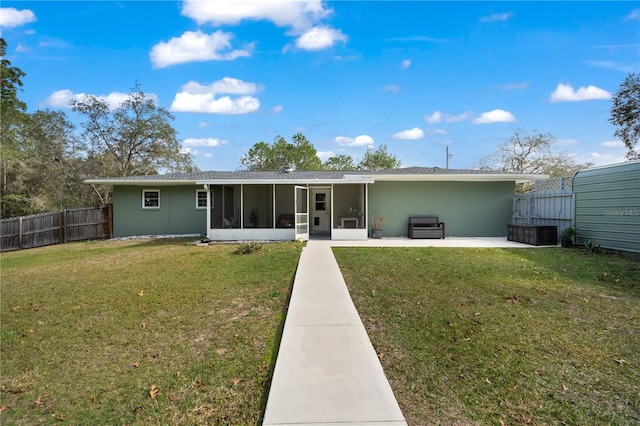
(425, 227)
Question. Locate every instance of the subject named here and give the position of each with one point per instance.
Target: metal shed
(607, 206)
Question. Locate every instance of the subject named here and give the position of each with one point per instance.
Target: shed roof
(318, 176)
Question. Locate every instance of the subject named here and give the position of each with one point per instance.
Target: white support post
(206, 188)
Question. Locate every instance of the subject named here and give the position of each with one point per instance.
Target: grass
(141, 332)
(490, 336)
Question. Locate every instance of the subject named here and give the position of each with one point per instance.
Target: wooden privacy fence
(56, 227)
(550, 203)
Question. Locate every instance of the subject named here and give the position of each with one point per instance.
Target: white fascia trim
(498, 177)
(111, 182)
(282, 182)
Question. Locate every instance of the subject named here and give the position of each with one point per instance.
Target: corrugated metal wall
(607, 206)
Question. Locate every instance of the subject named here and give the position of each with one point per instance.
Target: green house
(289, 205)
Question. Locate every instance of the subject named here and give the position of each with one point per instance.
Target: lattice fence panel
(546, 186)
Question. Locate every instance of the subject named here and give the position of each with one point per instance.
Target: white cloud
(410, 135)
(436, 132)
(225, 85)
(391, 88)
(63, 98)
(11, 17)
(302, 17)
(612, 65)
(196, 97)
(495, 116)
(438, 116)
(616, 46)
(53, 43)
(318, 38)
(187, 102)
(634, 15)
(325, 155)
(193, 46)
(497, 17)
(599, 159)
(202, 125)
(283, 13)
(22, 48)
(206, 142)
(566, 93)
(362, 140)
(405, 64)
(611, 144)
(567, 142)
(277, 109)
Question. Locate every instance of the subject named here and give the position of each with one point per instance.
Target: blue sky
(416, 76)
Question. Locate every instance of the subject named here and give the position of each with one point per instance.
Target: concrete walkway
(327, 371)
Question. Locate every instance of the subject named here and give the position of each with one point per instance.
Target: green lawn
(153, 332)
(490, 336)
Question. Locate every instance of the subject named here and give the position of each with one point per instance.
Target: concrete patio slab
(470, 242)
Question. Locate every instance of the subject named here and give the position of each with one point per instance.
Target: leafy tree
(12, 117)
(49, 172)
(52, 172)
(340, 162)
(11, 81)
(134, 139)
(299, 154)
(625, 113)
(378, 159)
(531, 153)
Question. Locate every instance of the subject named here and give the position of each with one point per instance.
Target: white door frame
(301, 203)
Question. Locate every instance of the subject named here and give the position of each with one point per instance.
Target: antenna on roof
(448, 156)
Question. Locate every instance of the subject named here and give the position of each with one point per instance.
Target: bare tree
(523, 152)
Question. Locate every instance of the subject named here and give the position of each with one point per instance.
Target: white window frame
(198, 207)
(144, 206)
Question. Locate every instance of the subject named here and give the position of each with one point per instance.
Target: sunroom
(287, 211)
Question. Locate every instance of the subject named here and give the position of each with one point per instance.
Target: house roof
(317, 177)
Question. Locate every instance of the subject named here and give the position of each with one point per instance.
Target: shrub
(249, 248)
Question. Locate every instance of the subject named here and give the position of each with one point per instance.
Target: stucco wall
(469, 209)
(177, 213)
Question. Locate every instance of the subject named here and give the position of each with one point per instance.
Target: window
(150, 199)
(201, 199)
(321, 201)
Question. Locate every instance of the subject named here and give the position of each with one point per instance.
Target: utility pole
(448, 156)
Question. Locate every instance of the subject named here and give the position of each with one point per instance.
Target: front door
(320, 210)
